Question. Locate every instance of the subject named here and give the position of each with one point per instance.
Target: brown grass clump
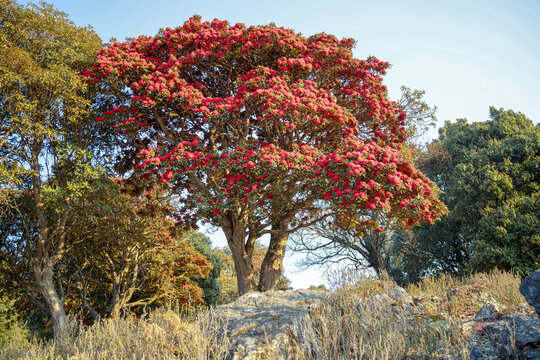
(350, 325)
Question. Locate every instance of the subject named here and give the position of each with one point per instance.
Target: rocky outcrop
(282, 324)
(278, 325)
(270, 325)
(515, 336)
(530, 289)
(521, 339)
(510, 337)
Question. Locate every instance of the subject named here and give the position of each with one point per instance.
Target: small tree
(324, 246)
(260, 131)
(43, 108)
(210, 284)
(126, 252)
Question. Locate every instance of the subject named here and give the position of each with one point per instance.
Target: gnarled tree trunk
(44, 276)
(242, 250)
(47, 254)
(272, 265)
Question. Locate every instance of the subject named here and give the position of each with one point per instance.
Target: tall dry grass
(463, 296)
(164, 335)
(357, 324)
(351, 324)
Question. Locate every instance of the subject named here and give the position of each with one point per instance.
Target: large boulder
(280, 324)
(270, 325)
(509, 337)
(530, 289)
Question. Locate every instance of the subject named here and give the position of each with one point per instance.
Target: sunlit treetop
(262, 121)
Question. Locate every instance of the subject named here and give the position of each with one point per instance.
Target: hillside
(482, 316)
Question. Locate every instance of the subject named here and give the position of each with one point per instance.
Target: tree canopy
(262, 131)
(489, 172)
(44, 127)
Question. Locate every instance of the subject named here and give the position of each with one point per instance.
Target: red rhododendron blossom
(254, 125)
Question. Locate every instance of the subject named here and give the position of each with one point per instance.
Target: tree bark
(272, 265)
(113, 310)
(236, 238)
(42, 262)
(44, 275)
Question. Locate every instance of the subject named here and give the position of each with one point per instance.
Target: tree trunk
(42, 263)
(115, 306)
(272, 265)
(43, 273)
(236, 237)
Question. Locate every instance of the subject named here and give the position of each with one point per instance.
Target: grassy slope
(344, 330)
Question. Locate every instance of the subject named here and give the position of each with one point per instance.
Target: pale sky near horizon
(467, 55)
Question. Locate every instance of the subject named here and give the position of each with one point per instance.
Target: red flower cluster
(251, 117)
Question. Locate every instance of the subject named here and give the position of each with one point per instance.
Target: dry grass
(164, 335)
(354, 325)
(350, 325)
(463, 297)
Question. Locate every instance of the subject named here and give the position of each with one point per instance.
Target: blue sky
(466, 54)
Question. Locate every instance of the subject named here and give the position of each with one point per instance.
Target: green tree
(8, 317)
(44, 106)
(210, 284)
(489, 172)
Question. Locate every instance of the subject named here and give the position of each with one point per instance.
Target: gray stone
(270, 325)
(477, 354)
(400, 295)
(488, 311)
(521, 338)
(530, 289)
(279, 325)
(394, 300)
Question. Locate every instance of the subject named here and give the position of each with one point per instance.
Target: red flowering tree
(262, 131)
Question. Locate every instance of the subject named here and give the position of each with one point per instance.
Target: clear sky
(466, 54)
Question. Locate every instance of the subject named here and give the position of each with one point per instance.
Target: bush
(11, 329)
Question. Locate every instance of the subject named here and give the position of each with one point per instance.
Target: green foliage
(8, 318)
(46, 138)
(126, 252)
(420, 116)
(489, 172)
(210, 284)
(509, 236)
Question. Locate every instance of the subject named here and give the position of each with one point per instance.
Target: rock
(419, 299)
(270, 325)
(476, 354)
(521, 338)
(278, 324)
(395, 298)
(530, 289)
(488, 311)
(400, 295)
